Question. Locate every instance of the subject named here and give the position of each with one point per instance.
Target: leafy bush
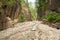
(53, 17)
(21, 17)
(1, 10)
(10, 2)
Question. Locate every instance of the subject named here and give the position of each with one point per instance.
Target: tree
(40, 5)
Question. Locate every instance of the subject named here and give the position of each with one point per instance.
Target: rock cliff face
(11, 12)
(53, 5)
(30, 31)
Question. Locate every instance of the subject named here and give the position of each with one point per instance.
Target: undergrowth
(52, 17)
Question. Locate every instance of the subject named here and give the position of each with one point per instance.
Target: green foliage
(20, 1)
(10, 2)
(53, 17)
(33, 13)
(40, 4)
(1, 10)
(21, 17)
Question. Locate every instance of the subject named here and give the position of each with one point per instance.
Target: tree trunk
(41, 13)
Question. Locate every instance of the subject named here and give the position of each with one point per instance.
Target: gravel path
(30, 31)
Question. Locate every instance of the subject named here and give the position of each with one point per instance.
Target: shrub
(21, 17)
(53, 17)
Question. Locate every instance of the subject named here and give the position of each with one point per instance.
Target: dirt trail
(30, 31)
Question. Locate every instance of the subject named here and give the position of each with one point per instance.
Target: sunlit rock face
(31, 31)
(26, 13)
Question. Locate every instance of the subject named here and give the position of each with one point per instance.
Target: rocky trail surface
(33, 30)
